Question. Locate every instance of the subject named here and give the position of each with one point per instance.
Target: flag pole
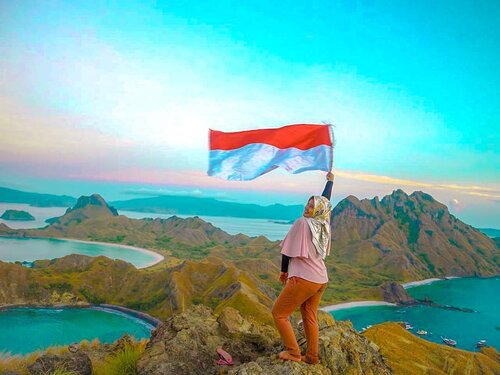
(332, 137)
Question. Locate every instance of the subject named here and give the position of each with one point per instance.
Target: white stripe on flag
(253, 160)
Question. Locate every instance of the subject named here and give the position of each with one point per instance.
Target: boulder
(342, 351)
(120, 344)
(76, 363)
(395, 293)
(187, 343)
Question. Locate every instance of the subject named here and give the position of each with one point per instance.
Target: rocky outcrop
(75, 363)
(187, 343)
(395, 293)
(409, 237)
(87, 207)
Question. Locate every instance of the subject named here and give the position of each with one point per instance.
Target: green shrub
(197, 301)
(121, 363)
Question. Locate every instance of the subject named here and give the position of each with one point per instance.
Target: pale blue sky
(125, 92)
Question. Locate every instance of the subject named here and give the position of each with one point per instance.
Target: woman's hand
(329, 176)
(283, 277)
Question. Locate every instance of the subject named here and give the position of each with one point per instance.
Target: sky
(117, 97)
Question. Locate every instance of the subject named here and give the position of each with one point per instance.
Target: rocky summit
(187, 344)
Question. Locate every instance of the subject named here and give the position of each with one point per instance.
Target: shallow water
(24, 330)
(481, 295)
(30, 249)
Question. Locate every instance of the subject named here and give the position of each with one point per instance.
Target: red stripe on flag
(301, 136)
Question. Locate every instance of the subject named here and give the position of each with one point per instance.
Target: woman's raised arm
(327, 192)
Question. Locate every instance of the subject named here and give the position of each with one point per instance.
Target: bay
(31, 249)
(24, 330)
(478, 294)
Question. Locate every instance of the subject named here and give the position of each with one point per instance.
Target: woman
(304, 274)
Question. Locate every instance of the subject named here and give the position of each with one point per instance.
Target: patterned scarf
(319, 224)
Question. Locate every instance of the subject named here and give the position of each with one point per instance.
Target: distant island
(35, 199)
(165, 204)
(17, 215)
(174, 204)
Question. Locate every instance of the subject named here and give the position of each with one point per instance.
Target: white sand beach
(158, 257)
(348, 305)
(411, 284)
(420, 282)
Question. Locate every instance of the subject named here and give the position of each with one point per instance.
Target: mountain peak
(86, 207)
(398, 193)
(93, 200)
(423, 196)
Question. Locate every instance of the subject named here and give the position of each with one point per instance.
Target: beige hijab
(319, 224)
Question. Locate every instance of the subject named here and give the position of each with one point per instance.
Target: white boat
(408, 326)
(481, 343)
(421, 332)
(449, 342)
(365, 328)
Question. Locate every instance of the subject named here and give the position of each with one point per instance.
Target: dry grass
(407, 354)
(120, 363)
(15, 363)
(95, 343)
(84, 344)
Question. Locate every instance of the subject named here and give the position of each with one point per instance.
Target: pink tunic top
(305, 261)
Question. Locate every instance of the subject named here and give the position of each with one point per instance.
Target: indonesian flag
(249, 154)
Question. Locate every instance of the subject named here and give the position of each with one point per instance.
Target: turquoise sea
(24, 330)
(30, 249)
(480, 295)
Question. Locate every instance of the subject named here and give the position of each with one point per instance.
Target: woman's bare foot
(286, 356)
(308, 360)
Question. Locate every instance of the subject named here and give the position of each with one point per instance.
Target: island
(17, 215)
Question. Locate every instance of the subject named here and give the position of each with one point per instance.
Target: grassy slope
(407, 354)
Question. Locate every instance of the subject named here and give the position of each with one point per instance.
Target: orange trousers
(307, 295)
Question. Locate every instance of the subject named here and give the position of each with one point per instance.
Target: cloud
(53, 145)
(475, 190)
(190, 193)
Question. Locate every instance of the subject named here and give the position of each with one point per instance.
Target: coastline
(151, 320)
(158, 257)
(349, 305)
(412, 284)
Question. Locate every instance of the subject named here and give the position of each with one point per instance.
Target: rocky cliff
(187, 343)
(404, 237)
(410, 236)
